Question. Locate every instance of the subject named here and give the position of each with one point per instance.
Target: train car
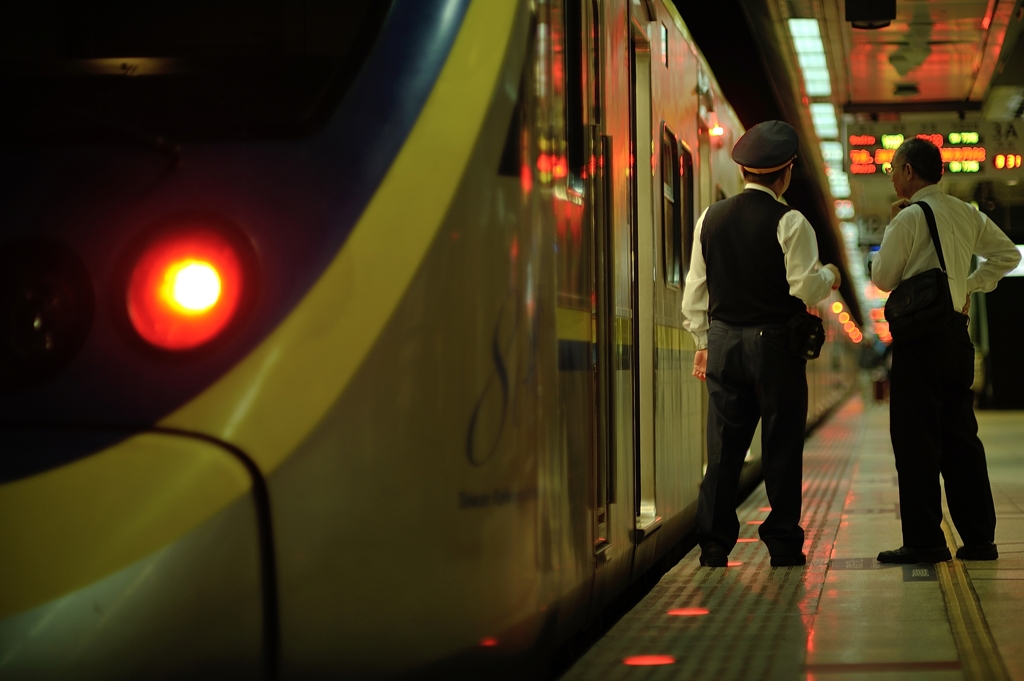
(343, 340)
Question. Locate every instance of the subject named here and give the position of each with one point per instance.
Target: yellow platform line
(978, 652)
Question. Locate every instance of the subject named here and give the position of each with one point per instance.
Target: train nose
(46, 310)
(151, 553)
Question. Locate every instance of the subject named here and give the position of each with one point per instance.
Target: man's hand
(835, 272)
(700, 364)
(897, 206)
(967, 305)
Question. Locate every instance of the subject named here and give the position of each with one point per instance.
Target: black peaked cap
(766, 147)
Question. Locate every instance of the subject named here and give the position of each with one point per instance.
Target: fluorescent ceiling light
(812, 61)
(818, 88)
(832, 153)
(838, 183)
(810, 53)
(823, 116)
(802, 28)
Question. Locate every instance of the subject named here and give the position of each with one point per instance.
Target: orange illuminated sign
(884, 155)
(950, 154)
(1007, 161)
(863, 168)
(862, 140)
(860, 156)
(934, 139)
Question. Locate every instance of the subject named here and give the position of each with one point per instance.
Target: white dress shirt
(907, 248)
(807, 281)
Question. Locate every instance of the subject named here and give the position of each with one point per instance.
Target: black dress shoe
(789, 560)
(714, 555)
(978, 552)
(906, 555)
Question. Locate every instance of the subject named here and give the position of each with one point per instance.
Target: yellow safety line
(978, 652)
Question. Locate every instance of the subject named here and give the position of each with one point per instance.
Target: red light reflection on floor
(755, 522)
(489, 642)
(745, 540)
(734, 563)
(765, 509)
(688, 612)
(649, 660)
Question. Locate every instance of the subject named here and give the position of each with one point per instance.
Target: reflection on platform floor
(844, 616)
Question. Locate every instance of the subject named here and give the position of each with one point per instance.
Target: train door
(644, 276)
(588, 158)
(585, 314)
(597, 171)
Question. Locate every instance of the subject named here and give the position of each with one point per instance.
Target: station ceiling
(939, 60)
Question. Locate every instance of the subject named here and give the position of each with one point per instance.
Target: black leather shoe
(714, 555)
(978, 552)
(789, 560)
(906, 555)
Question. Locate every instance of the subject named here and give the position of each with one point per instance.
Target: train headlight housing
(185, 287)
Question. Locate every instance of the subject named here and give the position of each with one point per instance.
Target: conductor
(754, 268)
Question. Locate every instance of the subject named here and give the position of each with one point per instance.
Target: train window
(664, 45)
(574, 88)
(595, 63)
(686, 208)
(237, 68)
(670, 214)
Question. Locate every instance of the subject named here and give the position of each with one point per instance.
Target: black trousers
(934, 431)
(752, 376)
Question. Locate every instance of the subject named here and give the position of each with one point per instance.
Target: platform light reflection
(649, 660)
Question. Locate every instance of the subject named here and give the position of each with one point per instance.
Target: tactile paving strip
(758, 617)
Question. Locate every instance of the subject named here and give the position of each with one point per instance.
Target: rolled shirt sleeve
(1001, 256)
(891, 259)
(807, 280)
(695, 295)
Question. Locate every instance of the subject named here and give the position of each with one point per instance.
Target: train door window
(595, 63)
(671, 235)
(664, 45)
(574, 94)
(686, 206)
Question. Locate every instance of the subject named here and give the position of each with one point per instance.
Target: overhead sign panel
(989, 148)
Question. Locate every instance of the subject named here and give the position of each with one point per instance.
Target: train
(343, 340)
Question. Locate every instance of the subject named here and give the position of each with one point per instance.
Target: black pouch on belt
(806, 335)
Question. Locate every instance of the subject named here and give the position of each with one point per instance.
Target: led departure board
(990, 148)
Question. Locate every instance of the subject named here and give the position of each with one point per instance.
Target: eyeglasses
(887, 167)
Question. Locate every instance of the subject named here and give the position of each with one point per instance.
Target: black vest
(746, 268)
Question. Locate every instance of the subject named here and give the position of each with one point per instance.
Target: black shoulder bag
(921, 304)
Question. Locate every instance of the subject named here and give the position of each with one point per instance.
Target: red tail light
(185, 288)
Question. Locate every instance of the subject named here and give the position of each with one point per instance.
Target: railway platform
(844, 616)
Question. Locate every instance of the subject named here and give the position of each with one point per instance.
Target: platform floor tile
(844, 616)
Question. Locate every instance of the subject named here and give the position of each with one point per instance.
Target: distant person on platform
(754, 267)
(931, 412)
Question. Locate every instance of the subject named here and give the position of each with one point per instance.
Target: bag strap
(930, 217)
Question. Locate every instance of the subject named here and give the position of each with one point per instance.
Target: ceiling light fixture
(810, 53)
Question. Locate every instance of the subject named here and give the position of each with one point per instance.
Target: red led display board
(968, 147)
